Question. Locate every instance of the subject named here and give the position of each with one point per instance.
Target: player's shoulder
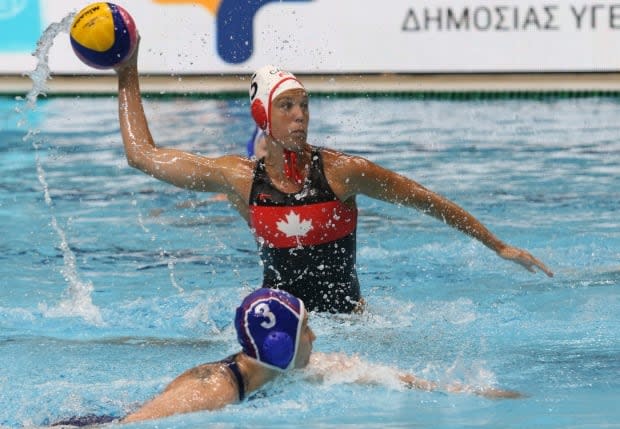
(338, 159)
(236, 163)
(235, 158)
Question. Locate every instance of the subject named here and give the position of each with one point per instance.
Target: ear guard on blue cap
(268, 324)
(278, 349)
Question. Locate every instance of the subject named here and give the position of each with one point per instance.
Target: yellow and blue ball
(103, 35)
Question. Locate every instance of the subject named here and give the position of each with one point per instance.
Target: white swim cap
(266, 84)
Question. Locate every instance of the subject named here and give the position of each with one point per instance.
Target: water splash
(171, 273)
(339, 368)
(41, 73)
(77, 299)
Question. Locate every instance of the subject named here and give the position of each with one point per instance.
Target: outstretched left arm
(359, 176)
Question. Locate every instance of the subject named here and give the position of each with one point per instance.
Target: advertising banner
(335, 36)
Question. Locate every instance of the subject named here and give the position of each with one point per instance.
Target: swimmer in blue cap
(272, 329)
(268, 325)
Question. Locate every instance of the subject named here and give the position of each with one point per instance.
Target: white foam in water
(78, 300)
(468, 377)
(172, 275)
(338, 368)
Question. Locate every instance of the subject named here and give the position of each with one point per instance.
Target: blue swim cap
(252, 141)
(268, 324)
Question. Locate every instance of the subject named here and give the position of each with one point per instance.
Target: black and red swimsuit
(306, 240)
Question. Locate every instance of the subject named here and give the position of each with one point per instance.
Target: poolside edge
(344, 83)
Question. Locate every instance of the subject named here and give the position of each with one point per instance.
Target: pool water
(113, 283)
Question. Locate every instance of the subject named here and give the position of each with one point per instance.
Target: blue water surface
(113, 283)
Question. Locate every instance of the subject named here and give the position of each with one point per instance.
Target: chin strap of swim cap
(290, 166)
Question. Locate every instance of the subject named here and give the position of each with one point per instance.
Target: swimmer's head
(268, 324)
(266, 84)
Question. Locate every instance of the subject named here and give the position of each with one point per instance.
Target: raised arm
(357, 175)
(228, 174)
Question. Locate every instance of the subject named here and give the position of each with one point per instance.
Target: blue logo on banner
(20, 25)
(235, 28)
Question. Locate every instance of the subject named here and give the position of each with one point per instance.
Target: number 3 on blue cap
(262, 309)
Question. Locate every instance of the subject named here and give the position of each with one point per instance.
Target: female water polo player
(272, 329)
(299, 200)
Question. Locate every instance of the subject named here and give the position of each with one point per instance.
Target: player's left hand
(524, 258)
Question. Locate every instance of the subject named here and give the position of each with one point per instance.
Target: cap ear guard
(259, 113)
(278, 349)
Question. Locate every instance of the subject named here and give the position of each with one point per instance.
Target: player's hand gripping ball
(103, 35)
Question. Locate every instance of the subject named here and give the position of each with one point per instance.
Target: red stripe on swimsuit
(306, 225)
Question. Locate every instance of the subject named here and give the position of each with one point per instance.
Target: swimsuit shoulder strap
(317, 175)
(232, 365)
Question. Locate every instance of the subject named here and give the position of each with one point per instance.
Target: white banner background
(351, 36)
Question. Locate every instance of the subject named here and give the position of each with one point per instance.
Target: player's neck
(255, 375)
(288, 168)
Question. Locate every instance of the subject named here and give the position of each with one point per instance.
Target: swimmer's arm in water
(357, 175)
(352, 369)
(414, 382)
(226, 174)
